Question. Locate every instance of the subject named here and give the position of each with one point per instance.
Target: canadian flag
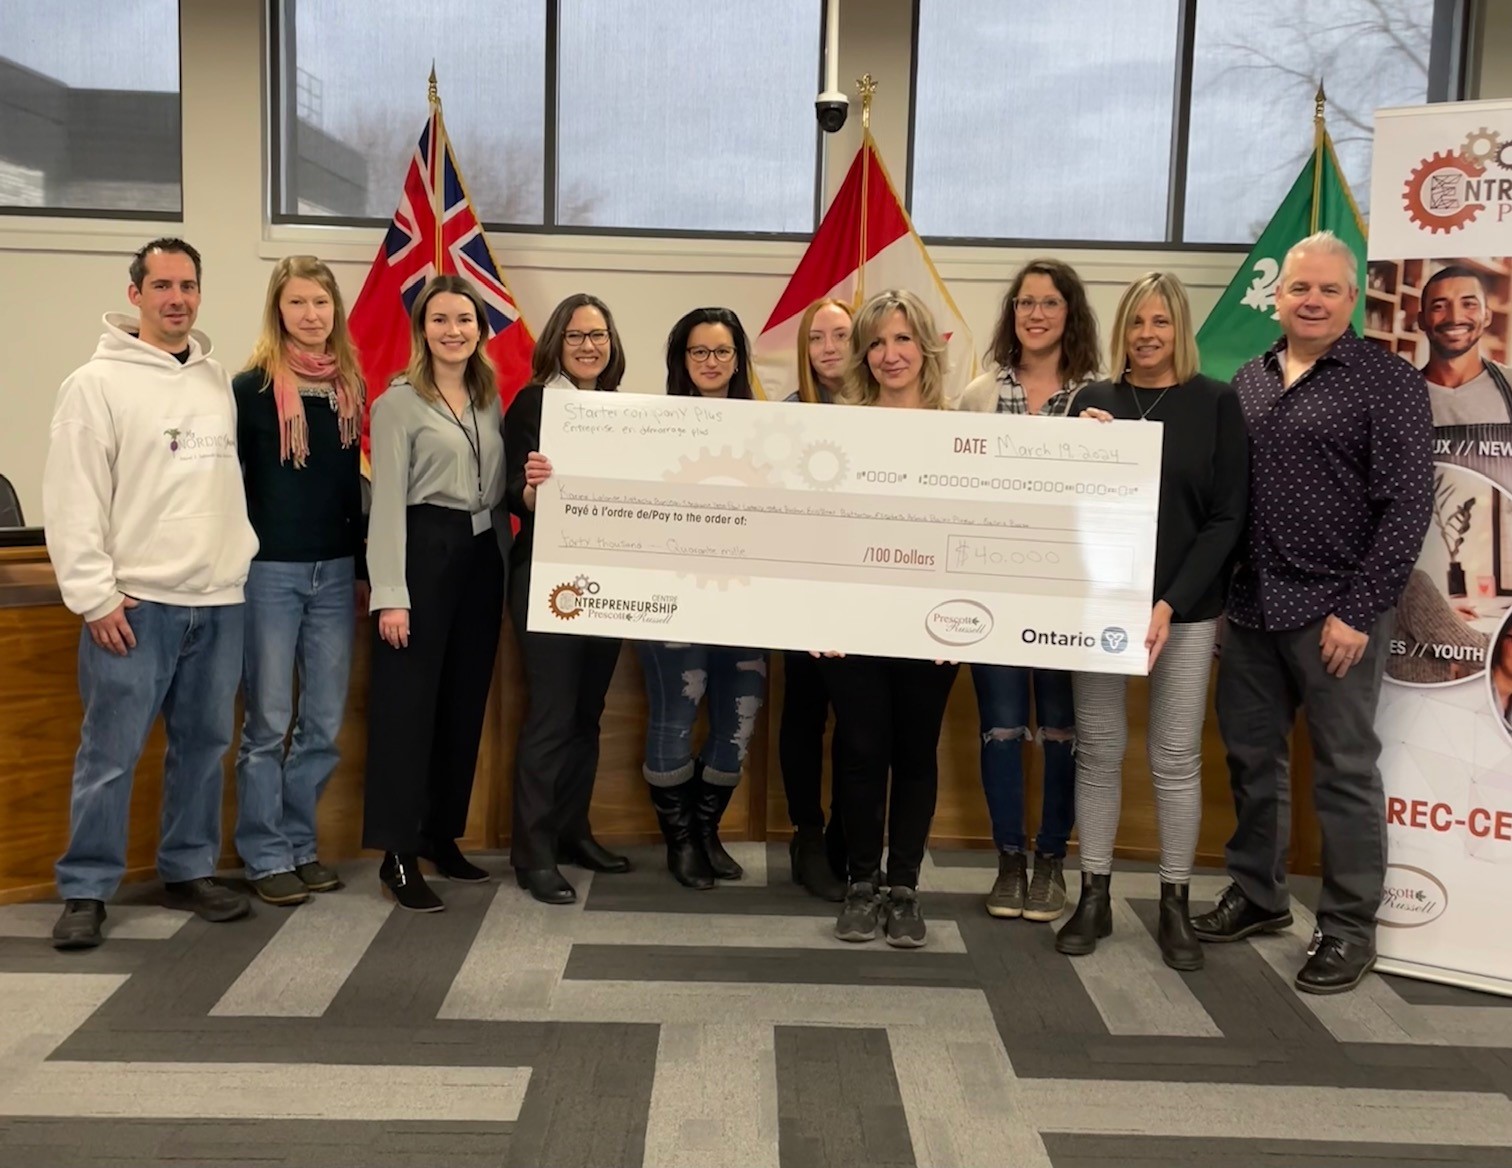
(865, 244)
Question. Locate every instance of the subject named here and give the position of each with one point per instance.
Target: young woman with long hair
(299, 423)
(708, 356)
(434, 543)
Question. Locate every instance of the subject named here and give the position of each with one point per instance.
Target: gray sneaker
(905, 920)
(281, 888)
(1047, 891)
(1010, 888)
(858, 916)
(317, 877)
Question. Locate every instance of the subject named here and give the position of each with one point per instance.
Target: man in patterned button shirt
(1340, 496)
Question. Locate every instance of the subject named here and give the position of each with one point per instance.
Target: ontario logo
(1411, 898)
(584, 596)
(1449, 190)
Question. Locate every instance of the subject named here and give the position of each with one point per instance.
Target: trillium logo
(1411, 898)
(1114, 639)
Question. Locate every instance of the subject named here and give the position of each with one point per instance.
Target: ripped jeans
(1003, 707)
(677, 679)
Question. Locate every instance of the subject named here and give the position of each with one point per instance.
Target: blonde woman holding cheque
(888, 710)
(1204, 472)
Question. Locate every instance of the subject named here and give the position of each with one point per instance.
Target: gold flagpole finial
(867, 88)
(1320, 99)
(431, 94)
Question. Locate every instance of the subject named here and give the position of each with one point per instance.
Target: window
(354, 103)
(89, 108)
(1057, 122)
(654, 115)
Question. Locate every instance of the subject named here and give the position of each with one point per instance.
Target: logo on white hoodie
(201, 439)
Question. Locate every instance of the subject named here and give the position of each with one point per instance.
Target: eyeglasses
(1049, 305)
(724, 354)
(594, 337)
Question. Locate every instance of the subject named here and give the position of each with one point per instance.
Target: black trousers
(556, 757)
(1262, 680)
(800, 741)
(426, 702)
(888, 713)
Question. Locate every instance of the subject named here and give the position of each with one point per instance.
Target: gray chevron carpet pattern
(649, 1025)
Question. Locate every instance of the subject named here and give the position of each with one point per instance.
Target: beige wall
(61, 274)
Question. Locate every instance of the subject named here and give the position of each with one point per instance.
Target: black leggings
(888, 713)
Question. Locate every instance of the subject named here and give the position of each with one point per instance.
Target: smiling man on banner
(1466, 389)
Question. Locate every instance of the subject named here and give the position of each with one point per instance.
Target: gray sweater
(421, 454)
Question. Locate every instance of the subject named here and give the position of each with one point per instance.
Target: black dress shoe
(1235, 918)
(403, 883)
(587, 852)
(1337, 967)
(79, 926)
(207, 899)
(451, 863)
(546, 884)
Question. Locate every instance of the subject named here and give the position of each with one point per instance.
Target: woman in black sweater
(567, 678)
(1204, 472)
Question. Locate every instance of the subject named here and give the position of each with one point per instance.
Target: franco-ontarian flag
(1243, 323)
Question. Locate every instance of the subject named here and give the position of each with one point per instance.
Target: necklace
(1144, 414)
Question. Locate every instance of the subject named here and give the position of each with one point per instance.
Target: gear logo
(823, 465)
(1481, 146)
(1437, 196)
(725, 468)
(564, 600)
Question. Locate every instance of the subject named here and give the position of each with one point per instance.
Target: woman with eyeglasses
(567, 678)
(708, 357)
(816, 852)
(1045, 350)
(434, 541)
(1204, 471)
(888, 710)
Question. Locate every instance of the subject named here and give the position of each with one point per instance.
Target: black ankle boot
(403, 882)
(1179, 947)
(709, 808)
(811, 865)
(685, 856)
(1092, 920)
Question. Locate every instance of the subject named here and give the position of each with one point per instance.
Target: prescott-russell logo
(1450, 189)
(1412, 897)
(958, 622)
(580, 595)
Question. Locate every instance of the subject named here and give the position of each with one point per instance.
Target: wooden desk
(39, 726)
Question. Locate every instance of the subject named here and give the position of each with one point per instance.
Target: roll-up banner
(1439, 294)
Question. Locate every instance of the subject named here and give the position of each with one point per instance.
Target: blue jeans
(299, 617)
(186, 663)
(677, 677)
(1003, 709)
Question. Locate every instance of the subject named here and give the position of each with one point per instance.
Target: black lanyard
(474, 439)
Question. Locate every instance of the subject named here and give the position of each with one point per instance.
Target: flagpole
(1319, 134)
(438, 153)
(867, 88)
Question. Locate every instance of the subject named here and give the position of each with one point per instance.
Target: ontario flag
(434, 232)
(865, 244)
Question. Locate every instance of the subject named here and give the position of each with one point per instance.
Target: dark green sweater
(315, 512)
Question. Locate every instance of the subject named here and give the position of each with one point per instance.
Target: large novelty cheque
(902, 533)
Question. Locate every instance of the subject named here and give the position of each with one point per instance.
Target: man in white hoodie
(148, 533)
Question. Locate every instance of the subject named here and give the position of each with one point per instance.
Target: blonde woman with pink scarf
(299, 424)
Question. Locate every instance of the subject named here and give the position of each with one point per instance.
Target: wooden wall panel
(39, 722)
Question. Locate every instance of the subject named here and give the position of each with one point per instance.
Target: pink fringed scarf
(303, 368)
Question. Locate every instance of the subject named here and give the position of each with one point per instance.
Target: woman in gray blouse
(434, 556)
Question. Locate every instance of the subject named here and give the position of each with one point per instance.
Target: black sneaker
(79, 926)
(905, 920)
(317, 877)
(858, 916)
(1047, 891)
(281, 888)
(1235, 918)
(207, 899)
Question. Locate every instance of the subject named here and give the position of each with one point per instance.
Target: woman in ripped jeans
(708, 357)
